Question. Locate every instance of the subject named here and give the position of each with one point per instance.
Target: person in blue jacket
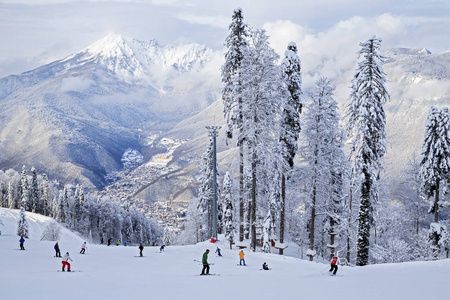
(21, 241)
(58, 252)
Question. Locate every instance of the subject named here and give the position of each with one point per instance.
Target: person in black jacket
(140, 250)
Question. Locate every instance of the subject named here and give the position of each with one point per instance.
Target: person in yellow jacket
(241, 256)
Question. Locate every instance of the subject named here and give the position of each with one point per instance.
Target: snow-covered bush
(51, 232)
(392, 251)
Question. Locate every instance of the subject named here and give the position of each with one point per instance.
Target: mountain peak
(108, 46)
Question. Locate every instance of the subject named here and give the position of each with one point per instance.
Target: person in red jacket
(334, 262)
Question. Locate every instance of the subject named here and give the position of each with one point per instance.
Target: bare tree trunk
(349, 224)
(436, 202)
(253, 208)
(283, 203)
(312, 224)
(241, 192)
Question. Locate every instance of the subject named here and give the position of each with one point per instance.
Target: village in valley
(129, 182)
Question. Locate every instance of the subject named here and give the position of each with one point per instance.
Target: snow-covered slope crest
(36, 226)
(137, 59)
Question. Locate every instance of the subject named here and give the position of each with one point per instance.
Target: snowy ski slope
(116, 273)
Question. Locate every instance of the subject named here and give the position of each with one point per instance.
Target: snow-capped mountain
(74, 118)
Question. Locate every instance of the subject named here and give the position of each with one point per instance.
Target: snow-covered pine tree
(168, 236)
(265, 93)
(23, 190)
(228, 221)
(366, 127)
(45, 196)
(127, 229)
(325, 160)
(435, 161)
(290, 127)
(206, 191)
(78, 206)
(11, 201)
(63, 207)
(3, 195)
(193, 231)
(237, 48)
(34, 198)
(22, 226)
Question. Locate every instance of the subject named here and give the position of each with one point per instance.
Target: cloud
(333, 51)
(74, 84)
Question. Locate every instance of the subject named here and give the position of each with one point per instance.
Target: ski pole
(321, 272)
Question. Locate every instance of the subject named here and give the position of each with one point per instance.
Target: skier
(218, 251)
(125, 243)
(265, 266)
(140, 249)
(118, 243)
(65, 261)
(21, 241)
(241, 256)
(58, 253)
(109, 241)
(162, 248)
(334, 266)
(83, 248)
(205, 263)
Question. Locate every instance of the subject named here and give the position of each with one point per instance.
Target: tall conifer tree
(366, 126)
(237, 49)
(290, 127)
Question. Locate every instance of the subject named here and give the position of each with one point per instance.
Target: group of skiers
(66, 257)
(265, 266)
(205, 270)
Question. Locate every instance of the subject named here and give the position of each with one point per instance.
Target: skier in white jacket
(65, 261)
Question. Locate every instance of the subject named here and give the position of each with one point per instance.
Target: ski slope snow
(115, 272)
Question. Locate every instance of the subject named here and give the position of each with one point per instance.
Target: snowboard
(71, 271)
(242, 265)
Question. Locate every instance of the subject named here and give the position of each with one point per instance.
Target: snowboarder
(118, 243)
(205, 263)
(65, 261)
(218, 251)
(241, 256)
(21, 241)
(265, 266)
(109, 241)
(58, 252)
(140, 250)
(162, 248)
(83, 248)
(334, 266)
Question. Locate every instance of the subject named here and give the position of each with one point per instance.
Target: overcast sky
(35, 32)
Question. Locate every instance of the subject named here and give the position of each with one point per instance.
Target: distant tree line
(95, 218)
